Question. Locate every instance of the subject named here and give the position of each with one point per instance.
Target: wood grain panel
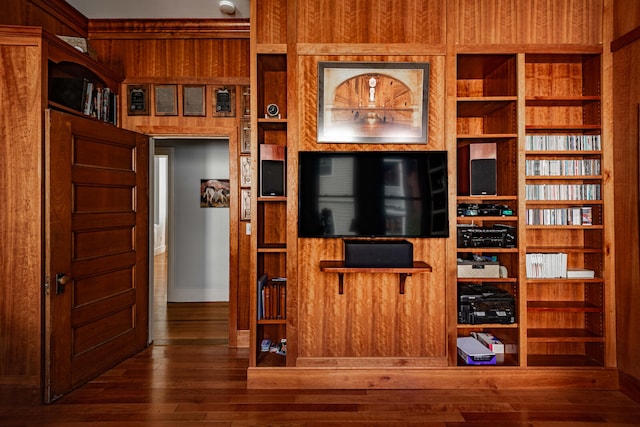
(487, 22)
(308, 108)
(92, 289)
(104, 329)
(175, 59)
(626, 110)
(372, 21)
(626, 17)
(272, 22)
(21, 215)
(371, 318)
(542, 22)
(56, 16)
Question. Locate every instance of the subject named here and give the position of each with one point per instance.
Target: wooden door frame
(236, 338)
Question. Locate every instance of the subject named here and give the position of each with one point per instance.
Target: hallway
(205, 323)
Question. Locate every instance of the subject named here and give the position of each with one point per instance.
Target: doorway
(190, 251)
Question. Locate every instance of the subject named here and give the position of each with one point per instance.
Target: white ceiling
(157, 9)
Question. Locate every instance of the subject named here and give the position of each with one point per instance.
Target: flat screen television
(373, 194)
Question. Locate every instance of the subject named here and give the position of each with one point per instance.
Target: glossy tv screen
(373, 194)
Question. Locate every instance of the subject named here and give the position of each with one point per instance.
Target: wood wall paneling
(535, 22)
(271, 27)
(55, 16)
(626, 95)
(626, 17)
(21, 247)
(372, 21)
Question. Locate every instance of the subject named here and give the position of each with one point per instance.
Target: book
(580, 273)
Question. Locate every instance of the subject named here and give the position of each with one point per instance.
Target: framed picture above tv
(373, 102)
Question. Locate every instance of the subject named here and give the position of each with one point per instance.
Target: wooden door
(96, 249)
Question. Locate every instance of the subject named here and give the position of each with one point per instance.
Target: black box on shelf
(378, 253)
(68, 91)
(484, 303)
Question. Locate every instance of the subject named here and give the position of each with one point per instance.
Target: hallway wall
(200, 246)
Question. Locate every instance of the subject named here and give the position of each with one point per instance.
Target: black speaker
(483, 177)
(272, 178)
(272, 170)
(378, 253)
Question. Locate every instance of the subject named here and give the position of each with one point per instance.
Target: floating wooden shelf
(339, 268)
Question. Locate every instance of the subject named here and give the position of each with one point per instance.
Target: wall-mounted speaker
(483, 169)
(272, 170)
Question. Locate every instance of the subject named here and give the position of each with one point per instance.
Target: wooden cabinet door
(96, 249)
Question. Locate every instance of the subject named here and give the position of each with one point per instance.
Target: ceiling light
(227, 6)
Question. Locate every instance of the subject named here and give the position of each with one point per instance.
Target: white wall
(200, 246)
(160, 204)
(162, 9)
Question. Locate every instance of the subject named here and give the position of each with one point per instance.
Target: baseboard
(432, 378)
(629, 385)
(20, 395)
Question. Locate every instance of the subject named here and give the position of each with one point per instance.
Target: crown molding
(65, 13)
(168, 28)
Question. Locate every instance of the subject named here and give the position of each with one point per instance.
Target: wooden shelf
(339, 268)
(466, 139)
(272, 322)
(483, 106)
(264, 120)
(487, 279)
(563, 177)
(571, 249)
(560, 101)
(573, 306)
(482, 199)
(489, 250)
(561, 127)
(563, 153)
(562, 335)
(268, 359)
(563, 202)
(488, 326)
(272, 198)
(561, 360)
(564, 227)
(506, 218)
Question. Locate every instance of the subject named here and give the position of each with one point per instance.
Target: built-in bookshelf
(486, 123)
(79, 85)
(564, 211)
(269, 122)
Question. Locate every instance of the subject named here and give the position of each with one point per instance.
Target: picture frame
(246, 101)
(245, 136)
(215, 193)
(245, 204)
(166, 100)
(373, 102)
(224, 101)
(138, 100)
(245, 171)
(193, 100)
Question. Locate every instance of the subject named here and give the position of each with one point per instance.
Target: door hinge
(46, 285)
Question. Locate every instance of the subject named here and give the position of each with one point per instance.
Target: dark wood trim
(168, 28)
(625, 39)
(629, 385)
(65, 13)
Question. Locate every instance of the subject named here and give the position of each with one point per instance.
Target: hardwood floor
(185, 323)
(190, 377)
(180, 385)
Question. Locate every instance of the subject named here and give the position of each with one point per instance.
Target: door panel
(97, 238)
